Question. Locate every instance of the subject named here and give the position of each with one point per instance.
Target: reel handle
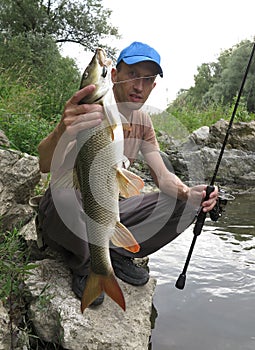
(202, 215)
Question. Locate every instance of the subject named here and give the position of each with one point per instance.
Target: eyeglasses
(147, 80)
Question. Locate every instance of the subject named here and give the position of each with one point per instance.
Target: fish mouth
(104, 71)
(98, 99)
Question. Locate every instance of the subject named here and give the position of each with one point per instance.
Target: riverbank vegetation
(214, 93)
(36, 81)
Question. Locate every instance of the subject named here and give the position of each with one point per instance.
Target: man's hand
(197, 195)
(75, 118)
(79, 117)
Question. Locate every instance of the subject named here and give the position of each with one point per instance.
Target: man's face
(134, 83)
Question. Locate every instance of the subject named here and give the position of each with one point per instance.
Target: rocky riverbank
(194, 159)
(52, 309)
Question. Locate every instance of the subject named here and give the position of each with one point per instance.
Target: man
(154, 219)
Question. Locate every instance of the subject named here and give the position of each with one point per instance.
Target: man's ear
(114, 75)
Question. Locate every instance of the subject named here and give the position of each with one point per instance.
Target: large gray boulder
(56, 316)
(195, 159)
(19, 173)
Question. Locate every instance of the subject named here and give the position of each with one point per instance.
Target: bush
(25, 131)
(32, 95)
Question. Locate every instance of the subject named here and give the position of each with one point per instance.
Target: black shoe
(78, 286)
(127, 271)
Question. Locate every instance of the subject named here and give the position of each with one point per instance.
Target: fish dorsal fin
(123, 238)
(129, 183)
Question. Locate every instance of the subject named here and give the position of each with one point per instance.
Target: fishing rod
(180, 283)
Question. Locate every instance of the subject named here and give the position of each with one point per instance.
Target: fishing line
(128, 80)
(180, 283)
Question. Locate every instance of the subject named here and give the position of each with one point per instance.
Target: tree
(229, 81)
(203, 81)
(219, 82)
(83, 22)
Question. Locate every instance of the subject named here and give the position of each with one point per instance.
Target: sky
(186, 33)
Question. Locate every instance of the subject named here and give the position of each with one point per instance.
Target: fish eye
(85, 75)
(104, 71)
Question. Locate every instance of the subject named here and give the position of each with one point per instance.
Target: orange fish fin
(129, 183)
(92, 290)
(135, 179)
(112, 132)
(96, 284)
(126, 126)
(112, 288)
(123, 238)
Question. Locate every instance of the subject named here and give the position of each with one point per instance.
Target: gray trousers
(154, 219)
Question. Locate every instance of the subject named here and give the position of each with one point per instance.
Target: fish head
(98, 73)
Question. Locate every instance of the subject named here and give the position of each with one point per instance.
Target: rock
(3, 139)
(19, 173)
(196, 139)
(241, 135)
(5, 336)
(197, 157)
(57, 318)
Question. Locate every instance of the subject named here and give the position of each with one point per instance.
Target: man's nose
(138, 84)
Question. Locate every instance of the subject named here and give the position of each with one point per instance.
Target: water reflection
(216, 308)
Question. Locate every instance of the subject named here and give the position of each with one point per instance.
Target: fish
(100, 177)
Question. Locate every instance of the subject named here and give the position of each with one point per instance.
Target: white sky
(186, 33)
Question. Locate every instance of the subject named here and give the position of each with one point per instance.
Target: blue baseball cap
(139, 52)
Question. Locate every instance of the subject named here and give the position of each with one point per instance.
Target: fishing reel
(220, 206)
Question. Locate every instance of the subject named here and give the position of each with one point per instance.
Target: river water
(216, 309)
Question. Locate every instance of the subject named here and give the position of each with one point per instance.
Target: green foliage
(84, 22)
(218, 83)
(25, 131)
(36, 81)
(169, 123)
(14, 267)
(32, 94)
(214, 93)
(20, 108)
(35, 62)
(179, 122)
(14, 264)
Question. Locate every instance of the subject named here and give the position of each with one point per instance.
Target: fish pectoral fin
(129, 183)
(123, 238)
(96, 284)
(135, 179)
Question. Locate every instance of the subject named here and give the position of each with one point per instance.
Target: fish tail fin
(129, 183)
(96, 284)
